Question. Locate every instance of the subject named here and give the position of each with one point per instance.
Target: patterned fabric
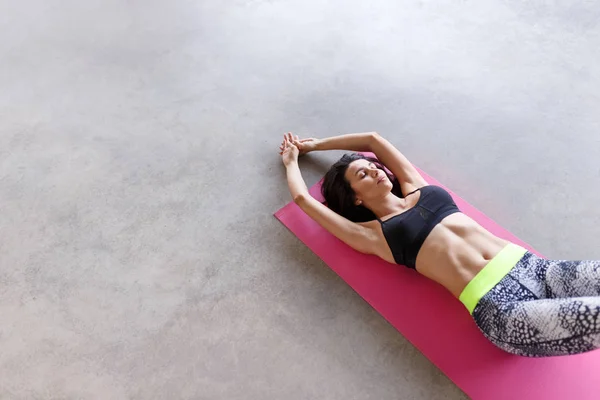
(543, 308)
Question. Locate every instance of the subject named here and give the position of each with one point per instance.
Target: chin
(386, 186)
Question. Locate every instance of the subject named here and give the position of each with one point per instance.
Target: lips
(380, 180)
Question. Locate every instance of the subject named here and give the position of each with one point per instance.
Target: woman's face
(367, 181)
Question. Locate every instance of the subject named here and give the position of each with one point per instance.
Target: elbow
(299, 198)
(374, 138)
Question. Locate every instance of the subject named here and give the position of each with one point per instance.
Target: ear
(358, 202)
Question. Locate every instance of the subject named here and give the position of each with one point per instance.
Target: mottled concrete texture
(139, 258)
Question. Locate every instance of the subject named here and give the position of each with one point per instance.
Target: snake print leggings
(543, 308)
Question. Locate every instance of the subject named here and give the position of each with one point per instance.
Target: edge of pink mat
(448, 337)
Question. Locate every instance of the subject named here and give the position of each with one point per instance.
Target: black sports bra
(406, 232)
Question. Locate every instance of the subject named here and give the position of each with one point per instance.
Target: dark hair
(340, 197)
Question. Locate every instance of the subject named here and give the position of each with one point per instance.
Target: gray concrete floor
(139, 173)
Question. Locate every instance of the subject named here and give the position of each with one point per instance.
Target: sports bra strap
(413, 192)
(379, 219)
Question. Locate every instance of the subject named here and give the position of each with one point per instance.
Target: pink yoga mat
(441, 327)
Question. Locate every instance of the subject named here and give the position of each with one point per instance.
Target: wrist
(318, 144)
(291, 163)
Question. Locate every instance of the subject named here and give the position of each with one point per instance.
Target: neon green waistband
(491, 274)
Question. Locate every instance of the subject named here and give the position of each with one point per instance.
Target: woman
(522, 303)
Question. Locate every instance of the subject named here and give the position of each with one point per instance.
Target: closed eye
(364, 173)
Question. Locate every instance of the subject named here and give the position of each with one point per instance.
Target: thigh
(572, 278)
(547, 327)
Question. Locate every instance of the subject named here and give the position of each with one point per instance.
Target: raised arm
(408, 176)
(410, 179)
(351, 141)
(355, 235)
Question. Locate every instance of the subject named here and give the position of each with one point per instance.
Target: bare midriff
(456, 250)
